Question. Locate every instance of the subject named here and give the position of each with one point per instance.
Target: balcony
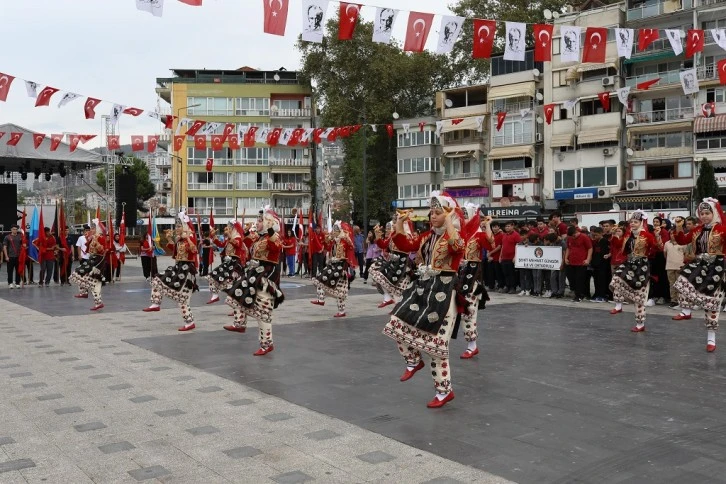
(667, 77)
(517, 139)
(512, 108)
(305, 162)
(706, 3)
(290, 113)
(454, 138)
(210, 186)
(707, 72)
(466, 111)
(663, 152)
(659, 8)
(290, 187)
(462, 176)
(661, 116)
(287, 212)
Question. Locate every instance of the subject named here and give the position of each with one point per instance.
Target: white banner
(570, 44)
(547, 257)
(383, 24)
(449, 33)
(514, 45)
(313, 19)
(624, 42)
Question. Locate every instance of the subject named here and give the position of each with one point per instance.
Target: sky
(108, 49)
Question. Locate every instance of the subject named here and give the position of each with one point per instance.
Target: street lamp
(177, 187)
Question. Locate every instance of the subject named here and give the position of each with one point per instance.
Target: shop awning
(655, 197)
(646, 58)
(708, 125)
(560, 140)
(520, 151)
(520, 89)
(461, 123)
(658, 128)
(594, 67)
(598, 136)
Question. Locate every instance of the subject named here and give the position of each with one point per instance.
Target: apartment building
(419, 164)
(245, 178)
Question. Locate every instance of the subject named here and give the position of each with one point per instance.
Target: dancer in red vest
(334, 279)
(391, 272)
(90, 274)
(234, 257)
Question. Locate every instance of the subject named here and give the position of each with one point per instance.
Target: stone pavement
(561, 392)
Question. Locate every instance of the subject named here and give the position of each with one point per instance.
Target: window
(511, 164)
(511, 105)
(597, 74)
(711, 141)
(710, 63)
(202, 180)
(286, 154)
(667, 171)
(416, 191)
(286, 178)
(514, 132)
(251, 204)
(253, 181)
(418, 138)
(462, 167)
(594, 106)
(253, 106)
(287, 104)
(417, 165)
(662, 140)
(586, 177)
(715, 95)
(210, 106)
(499, 66)
(286, 204)
(252, 156)
(203, 205)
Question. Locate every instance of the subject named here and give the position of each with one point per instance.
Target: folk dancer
(257, 293)
(470, 285)
(701, 281)
(631, 279)
(90, 274)
(391, 272)
(179, 281)
(234, 257)
(424, 319)
(334, 279)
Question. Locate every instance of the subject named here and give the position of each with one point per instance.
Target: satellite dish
(536, 72)
(547, 14)
(683, 35)
(629, 119)
(276, 77)
(547, 193)
(539, 96)
(556, 15)
(529, 199)
(630, 151)
(540, 120)
(616, 207)
(448, 103)
(396, 115)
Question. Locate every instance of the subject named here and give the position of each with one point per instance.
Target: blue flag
(156, 238)
(33, 234)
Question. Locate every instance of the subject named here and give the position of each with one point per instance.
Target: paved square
(376, 457)
(89, 426)
(293, 477)
(116, 447)
(241, 452)
(147, 473)
(205, 430)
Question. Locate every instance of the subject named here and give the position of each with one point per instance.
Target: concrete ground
(561, 392)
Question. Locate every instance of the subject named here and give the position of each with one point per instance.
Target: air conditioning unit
(631, 185)
(538, 137)
(568, 9)
(167, 185)
(608, 81)
(608, 151)
(603, 193)
(539, 170)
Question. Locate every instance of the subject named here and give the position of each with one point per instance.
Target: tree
(706, 185)
(145, 189)
(370, 82)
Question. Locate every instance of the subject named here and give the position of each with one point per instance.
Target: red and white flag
(348, 18)
(549, 111)
(228, 130)
(14, 139)
(646, 37)
(178, 142)
(85, 138)
(133, 111)
(154, 7)
(44, 96)
(274, 137)
(196, 126)
(89, 109)
(708, 109)
(389, 130)
(209, 165)
(233, 140)
(695, 42)
(193, 3)
(543, 42)
(721, 67)
(55, 141)
(217, 142)
(419, 25)
(38, 139)
(73, 142)
(250, 137)
(137, 143)
(421, 126)
(501, 116)
(645, 85)
(5, 82)
(68, 97)
(484, 31)
(152, 143)
(604, 98)
(275, 16)
(200, 142)
(113, 142)
(595, 43)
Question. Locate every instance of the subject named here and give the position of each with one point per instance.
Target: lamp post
(365, 174)
(177, 187)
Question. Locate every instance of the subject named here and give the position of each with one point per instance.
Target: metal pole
(365, 175)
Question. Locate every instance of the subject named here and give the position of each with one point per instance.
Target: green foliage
(144, 187)
(706, 185)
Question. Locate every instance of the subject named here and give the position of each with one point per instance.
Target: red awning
(708, 125)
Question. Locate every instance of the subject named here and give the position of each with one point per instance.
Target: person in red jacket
(290, 247)
(510, 239)
(46, 255)
(701, 281)
(424, 319)
(89, 276)
(234, 257)
(631, 279)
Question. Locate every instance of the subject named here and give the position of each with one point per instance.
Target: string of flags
(74, 140)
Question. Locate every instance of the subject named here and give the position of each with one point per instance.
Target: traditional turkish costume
(631, 279)
(257, 292)
(90, 273)
(424, 319)
(391, 272)
(334, 279)
(234, 257)
(701, 282)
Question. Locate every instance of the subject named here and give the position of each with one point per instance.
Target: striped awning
(654, 197)
(598, 136)
(521, 89)
(594, 67)
(646, 128)
(560, 140)
(708, 125)
(520, 151)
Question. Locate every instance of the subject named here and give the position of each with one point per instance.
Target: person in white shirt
(674, 262)
(82, 243)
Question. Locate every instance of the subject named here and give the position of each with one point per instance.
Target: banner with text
(547, 257)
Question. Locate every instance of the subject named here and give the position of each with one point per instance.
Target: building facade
(242, 179)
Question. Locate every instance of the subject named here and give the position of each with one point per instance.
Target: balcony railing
(705, 3)
(254, 186)
(518, 139)
(289, 187)
(667, 77)
(659, 8)
(210, 186)
(450, 140)
(286, 212)
(662, 116)
(707, 72)
(290, 162)
(204, 211)
(512, 109)
(290, 113)
(457, 176)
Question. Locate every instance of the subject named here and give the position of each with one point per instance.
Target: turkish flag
(210, 164)
(178, 142)
(38, 139)
(275, 16)
(316, 135)
(708, 109)
(594, 48)
(137, 143)
(646, 37)
(14, 139)
(5, 82)
(484, 31)
(721, 66)
(348, 18)
(296, 135)
(646, 84)
(55, 141)
(457, 121)
(549, 111)
(74, 143)
(543, 42)
(501, 116)
(90, 107)
(345, 132)
(84, 138)
(228, 130)
(233, 140)
(113, 142)
(44, 96)
(217, 142)
(196, 126)
(421, 126)
(152, 143)
(274, 137)
(133, 111)
(695, 42)
(604, 100)
(193, 3)
(249, 140)
(419, 25)
(200, 142)
(389, 129)
(168, 121)
(333, 134)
